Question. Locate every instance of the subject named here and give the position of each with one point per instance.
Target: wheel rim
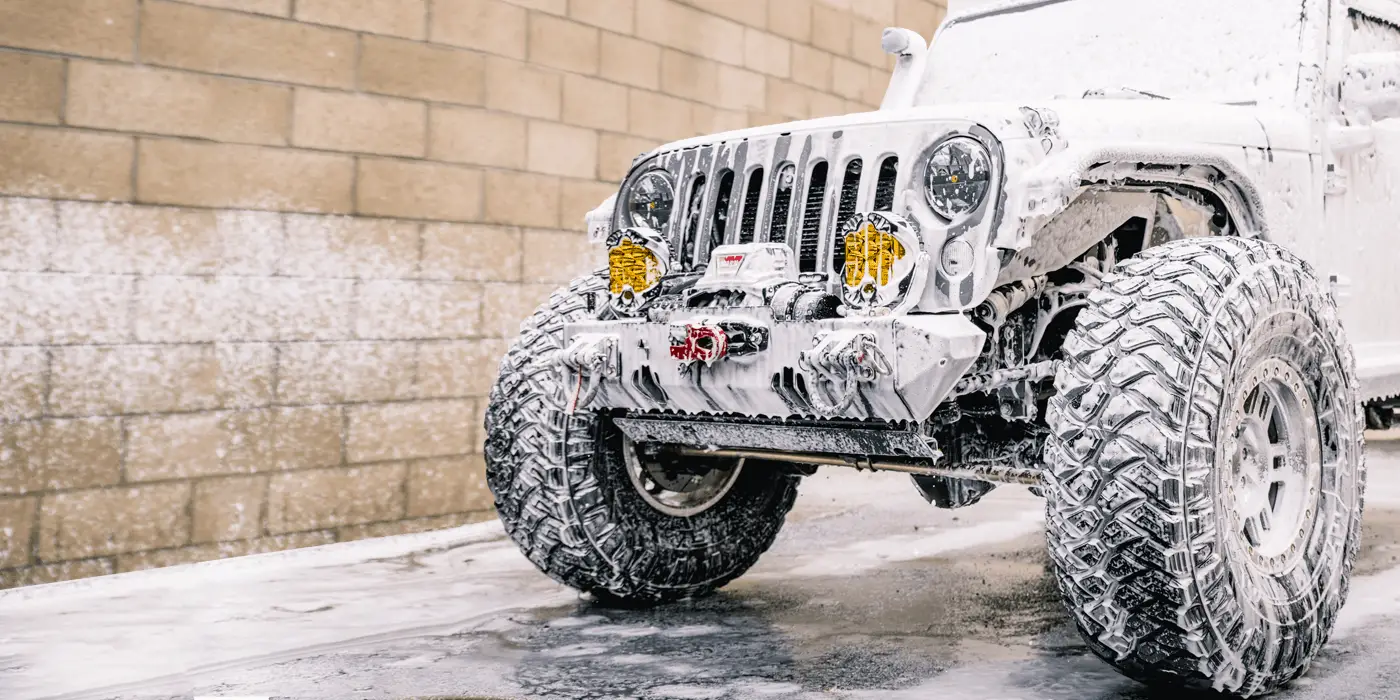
(1275, 465)
(682, 494)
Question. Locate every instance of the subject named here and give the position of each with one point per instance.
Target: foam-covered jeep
(1107, 249)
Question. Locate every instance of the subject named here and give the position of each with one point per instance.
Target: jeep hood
(1083, 122)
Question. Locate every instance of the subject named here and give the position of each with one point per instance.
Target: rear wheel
(601, 514)
(1205, 467)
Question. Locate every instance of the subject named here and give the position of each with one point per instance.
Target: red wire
(578, 389)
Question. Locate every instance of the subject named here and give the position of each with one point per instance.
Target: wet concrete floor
(869, 593)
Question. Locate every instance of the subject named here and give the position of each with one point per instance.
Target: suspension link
(982, 383)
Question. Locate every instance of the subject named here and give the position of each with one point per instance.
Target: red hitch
(699, 342)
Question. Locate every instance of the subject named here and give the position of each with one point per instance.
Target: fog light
(957, 258)
(882, 261)
(870, 257)
(637, 262)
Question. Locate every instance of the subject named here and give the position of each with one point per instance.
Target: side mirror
(1371, 87)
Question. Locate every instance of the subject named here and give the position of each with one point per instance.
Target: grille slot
(723, 198)
(694, 214)
(811, 243)
(748, 223)
(850, 199)
(884, 188)
(783, 185)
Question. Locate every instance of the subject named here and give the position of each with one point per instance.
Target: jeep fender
(1075, 199)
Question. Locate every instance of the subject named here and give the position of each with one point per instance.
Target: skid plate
(780, 438)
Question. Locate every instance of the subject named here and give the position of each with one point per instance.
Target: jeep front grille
(765, 191)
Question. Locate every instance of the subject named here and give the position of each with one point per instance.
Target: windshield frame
(1305, 95)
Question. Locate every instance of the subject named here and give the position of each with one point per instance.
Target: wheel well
(1028, 321)
(997, 414)
(1185, 200)
(1130, 238)
(1232, 200)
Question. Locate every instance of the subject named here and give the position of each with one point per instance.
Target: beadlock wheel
(1205, 467)
(594, 511)
(1271, 485)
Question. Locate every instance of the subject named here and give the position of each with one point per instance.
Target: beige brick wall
(258, 258)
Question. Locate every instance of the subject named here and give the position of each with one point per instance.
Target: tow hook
(590, 360)
(843, 360)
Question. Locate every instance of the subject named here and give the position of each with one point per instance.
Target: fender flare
(1077, 198)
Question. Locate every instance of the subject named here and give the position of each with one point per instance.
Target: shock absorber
(1003, 300)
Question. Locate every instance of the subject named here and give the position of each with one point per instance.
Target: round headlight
(958, 176)
(651, 199)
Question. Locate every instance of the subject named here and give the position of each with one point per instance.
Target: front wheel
(1205, 467)
(605, 516)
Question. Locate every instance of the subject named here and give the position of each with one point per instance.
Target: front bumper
(926, 356)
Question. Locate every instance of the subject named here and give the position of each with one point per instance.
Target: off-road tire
(1138, 521)
(564, 496)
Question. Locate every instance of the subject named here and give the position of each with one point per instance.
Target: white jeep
(1104, 248)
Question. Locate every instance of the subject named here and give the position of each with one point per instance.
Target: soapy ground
(868, 593)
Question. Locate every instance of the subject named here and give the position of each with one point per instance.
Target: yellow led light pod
(869, 252)
(883, 260)
(631, 266)
(638, 259)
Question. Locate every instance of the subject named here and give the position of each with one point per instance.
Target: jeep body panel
(1070, 172)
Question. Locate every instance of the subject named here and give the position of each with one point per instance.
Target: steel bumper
(897, 368)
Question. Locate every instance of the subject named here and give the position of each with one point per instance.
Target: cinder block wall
(258, 258)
